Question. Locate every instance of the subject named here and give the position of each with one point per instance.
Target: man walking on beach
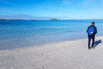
(92, 30)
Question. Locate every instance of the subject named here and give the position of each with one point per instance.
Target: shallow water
(24, 33)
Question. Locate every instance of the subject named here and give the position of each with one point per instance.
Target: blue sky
(47, 9)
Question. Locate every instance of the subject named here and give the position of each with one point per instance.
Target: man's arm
(87, 29)
(95, 30)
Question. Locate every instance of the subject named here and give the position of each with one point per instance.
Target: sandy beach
(64, 55)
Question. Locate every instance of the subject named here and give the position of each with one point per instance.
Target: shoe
(89, 48)
(93, 46)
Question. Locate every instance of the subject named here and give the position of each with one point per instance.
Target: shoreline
(63, 55)
(46, 43)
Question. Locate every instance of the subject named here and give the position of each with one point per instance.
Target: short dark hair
(93, 23)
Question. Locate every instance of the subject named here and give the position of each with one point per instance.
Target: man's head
(93, 23)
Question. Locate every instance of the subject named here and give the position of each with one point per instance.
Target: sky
(48, 9)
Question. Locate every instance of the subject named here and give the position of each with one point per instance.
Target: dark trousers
(89, 40)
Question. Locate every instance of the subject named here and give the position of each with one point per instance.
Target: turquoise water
(25, 33)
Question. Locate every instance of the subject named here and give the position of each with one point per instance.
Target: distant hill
(54, 19)
(11, 19)
(2, 19)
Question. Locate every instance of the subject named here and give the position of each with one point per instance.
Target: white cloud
(18, 16)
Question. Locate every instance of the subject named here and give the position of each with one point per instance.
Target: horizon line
(49, 19)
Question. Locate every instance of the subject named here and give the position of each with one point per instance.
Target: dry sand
(64, 55)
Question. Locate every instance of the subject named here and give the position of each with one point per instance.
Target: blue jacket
(95, 29)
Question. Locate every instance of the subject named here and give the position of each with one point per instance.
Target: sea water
(26, 33)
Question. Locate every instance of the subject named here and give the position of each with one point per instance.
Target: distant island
(51, 19)
(54, 19)
(2, 19)
(25, 19)
(12, 19)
